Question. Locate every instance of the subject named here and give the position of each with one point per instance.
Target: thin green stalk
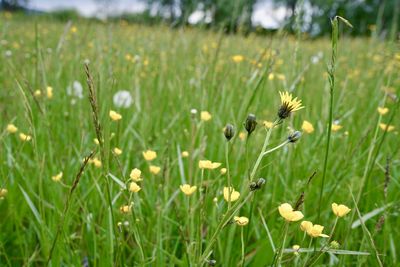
(280, 251)
(242, 241)
(228, 174)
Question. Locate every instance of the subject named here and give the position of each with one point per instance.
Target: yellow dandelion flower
(185, 154)
(222, 171)
(3, 193)
(154, 169)
(57, 177)
(340, 210)
(49, 92)
(383, 110)
(25, 137)
(241, 221)
(307, 127)
(11, 128)
(230, 192)
(135, 175)
(207, 164)
(237, 58)
(188, 189)
(205, 116)
(386, 127)
(117, 151)
(149, 155)
(134, 187)
(336, 127)
(115, 116)
(288, 105)
(290, 215)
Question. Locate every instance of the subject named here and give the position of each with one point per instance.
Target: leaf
(369, 215)
(118, 181)
(31, 205)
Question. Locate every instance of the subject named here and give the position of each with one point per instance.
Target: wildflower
(222, 171)
(57, 177)
(37, 93)
(250, 123)
(134, 187)
(237, 58)
(306, 225)
(230, 192)
(294, 137)
(49, 92)
(149, 155)
(122, 99)
(11, 128)
(307, 127)
(288, 105)
(154, 169)
(96, 141)
(193, 112)
(241, 221)
(117, 151)
(188, 189)
(268, 124)
(74, 29)
(386, 127)
(96, 162)
(313, 230)
(242, 136)
(281, 77)
(205, 116)
(383, 110)
(3, 193)
(336, 127)
(229, 131)
(207, 164)
(271, 76)
(340, 210)
(296, 249)
(135, 175)
(290, 215)
(126, 209)
(185, 154)
(115, 116)
(25, 137)
(75, 90)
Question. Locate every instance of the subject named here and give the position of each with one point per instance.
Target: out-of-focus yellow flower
(11, 128)
(386, 127)
(96, 162)
(37, 93)
(268, 124)
(115, 116)
(207, 164)
(188, 189)
(25, 137)
(154, 169)
(134, 187)
(307, 127)
(96, 141)
(241, 221)
(234, 195)
(383, 110)
(336, 127)
(290, 215)
(296, 249)
(74, 29)
(271, 76)
(205, 116)
(57, 177)
(117, 151)
(281, 77)
(340, 210)
(49, 92)
(237, 58)
(126, 209)
(135, 175)
(3, 193)
(242, 136)
(222, 171)
(185, 154)
(149, 155)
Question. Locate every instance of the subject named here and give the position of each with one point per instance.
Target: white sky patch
(266, 15)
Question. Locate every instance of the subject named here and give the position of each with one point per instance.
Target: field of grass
(92, 214)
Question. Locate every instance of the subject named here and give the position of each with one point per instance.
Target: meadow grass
(90, 217)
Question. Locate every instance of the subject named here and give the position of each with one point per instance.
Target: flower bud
(294, 137)
(229, 131)
(250, 123)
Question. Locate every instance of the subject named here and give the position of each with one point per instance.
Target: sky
(265, 14)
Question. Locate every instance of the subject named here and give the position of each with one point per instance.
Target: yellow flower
(313, 230)
(135, 175)
(37, 93)
(281, 77)
(126, 209)
(242, 136)
(340, 210)
(74, 29)
(268, 124)
(207, 164)
(241, 221)
(115, 116)
(383, 110)
(306, 225)
(237, 58)
(96, 141)
(336, 127)
(187, 189)
(185, 154)
(290, 215)
(11, 128)
(234, 195)
(222, 171)
(154, 169)
(296, 249)
(205, 116)
(57, 177)
(25, 137)
(3, 193)
(386, 127)
(271, 76)
(134, 187)
(288, 105)
(117, 151)
(149, 155)
(96, 162)
(49, 92)
(307, 127)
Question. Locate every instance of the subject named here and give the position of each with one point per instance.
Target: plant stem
(242, 240)
(230, 190)
(280, 252)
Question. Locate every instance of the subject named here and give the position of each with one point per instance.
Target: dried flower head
(340, 210)
(294, 137)
(250, 123)
(288, 105)
(290, 215)
(229, 131)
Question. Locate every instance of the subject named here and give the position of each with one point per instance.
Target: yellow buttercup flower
(205, 116)
(241, 221)
(222, 171)
(383, 110)
(49, 92)
(134, 187)
(242, 136)
(135, 175)
(96, 141)
(288, 105)
(307, 127)
(3, 193)
(290, 215)
(234, 195)
(296, 249)
(126, 209)
(25, 137)
(185, 154)
(207, 164)
(11, 128)
(336, 127)
(117, 151)
(340, 210)
(96, 162)
(237, 58)
(37, 93)
(268, 124)
(386, 127)
(57, 177)
(149, 155)
(154, 169)
(306, 225)
(115, 116)
(188, 189)
(313, 230)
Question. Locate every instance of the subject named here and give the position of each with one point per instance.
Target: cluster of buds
(257, 185)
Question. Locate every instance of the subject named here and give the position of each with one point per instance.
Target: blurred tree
(12, 4)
